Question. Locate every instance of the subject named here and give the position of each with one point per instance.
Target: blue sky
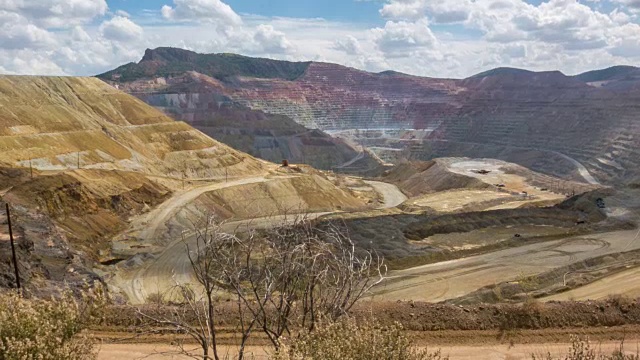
(335, 10)
(438, 38)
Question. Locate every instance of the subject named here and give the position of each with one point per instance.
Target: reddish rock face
(536, 119)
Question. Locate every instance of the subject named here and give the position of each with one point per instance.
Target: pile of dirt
(425, 177)
(291, 195)
(10, 177)
(416, 316)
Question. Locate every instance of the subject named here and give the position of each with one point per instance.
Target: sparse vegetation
(283, 281)
(348, 340)
(174, 61)
(582, 349)
(55, 329)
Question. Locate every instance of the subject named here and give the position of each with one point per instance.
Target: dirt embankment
(424, 177)
(580, 209)
(89, 205)
(63, 222)
(418, 316)
(413, 239)
(269, 197)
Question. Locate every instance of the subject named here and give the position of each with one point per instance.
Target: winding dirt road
(391, 195)
(172, 265)
(159, 216)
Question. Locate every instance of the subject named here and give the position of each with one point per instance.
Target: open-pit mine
(503, 188)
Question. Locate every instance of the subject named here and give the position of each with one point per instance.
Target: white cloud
(211, 11)
(121, 29)
(123, 13)
(272, 41)
(402, 38)
(79, 34)
(56, 13)
(634, 4)
(349, 45)
(439, 11)
(17, 33)
(29, 62)
(82, 37)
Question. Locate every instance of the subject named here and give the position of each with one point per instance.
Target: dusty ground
(626, 283)
(452, 279)
(489, 236)
(498, 175)
(455, 200)
(471, 352)
(458, 185)
(172, 264)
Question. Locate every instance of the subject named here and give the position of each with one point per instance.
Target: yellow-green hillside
(56, 122)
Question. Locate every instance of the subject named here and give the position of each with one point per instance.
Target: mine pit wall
(591, 126)
(267, 136)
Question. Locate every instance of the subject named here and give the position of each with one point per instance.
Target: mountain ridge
(511, 114)
(289, 70)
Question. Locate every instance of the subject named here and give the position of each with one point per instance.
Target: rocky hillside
(544, 120)
(53, 123)
(78, 159)
(193, 88)
(169, 62)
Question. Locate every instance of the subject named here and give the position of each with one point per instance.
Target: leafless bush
(283, 280)
(347, 339)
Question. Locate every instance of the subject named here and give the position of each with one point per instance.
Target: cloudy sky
(439, 38)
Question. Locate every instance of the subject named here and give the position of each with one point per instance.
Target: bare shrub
(282, 281)
(156, 298)
(582, 349)
(347, 339)
(52, 329)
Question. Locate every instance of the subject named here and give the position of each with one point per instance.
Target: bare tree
(283, 280)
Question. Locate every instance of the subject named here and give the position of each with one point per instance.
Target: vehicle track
(172, 266)
(500, 266)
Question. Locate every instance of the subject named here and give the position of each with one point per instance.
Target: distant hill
(162, 62)
(503, 71)
(193, 88)
(612, 73)
(547, 121)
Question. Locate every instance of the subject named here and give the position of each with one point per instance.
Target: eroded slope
(54, 123)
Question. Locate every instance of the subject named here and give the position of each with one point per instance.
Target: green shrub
(35, 329)
(347, 340)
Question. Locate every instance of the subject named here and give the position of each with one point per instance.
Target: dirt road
(581, 169)
(452, 279)
(470, 352)
(391, 194)
(159, 216)
(173, 266)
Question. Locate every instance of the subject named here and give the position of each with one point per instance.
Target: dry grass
(348, 340)
(582, 349)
